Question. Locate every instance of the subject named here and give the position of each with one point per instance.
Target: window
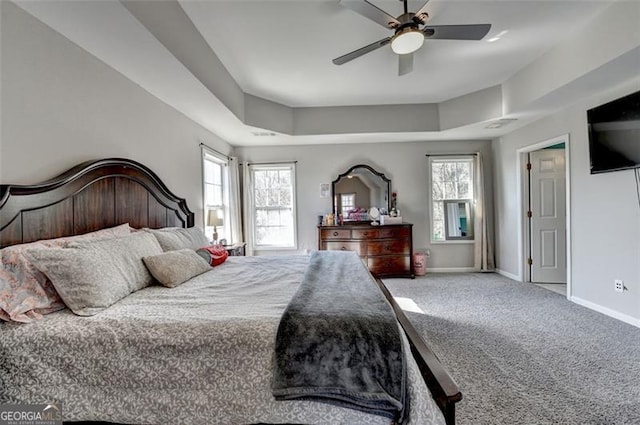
(216, 193)
(273, 204)
(347, 203)
(451, 180)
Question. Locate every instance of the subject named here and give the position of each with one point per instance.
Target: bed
(200, 352)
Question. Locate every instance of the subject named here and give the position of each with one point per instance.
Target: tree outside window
(274, 206)
(451, 178)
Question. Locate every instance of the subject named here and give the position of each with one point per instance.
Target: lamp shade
(407, 41)
(214, 218)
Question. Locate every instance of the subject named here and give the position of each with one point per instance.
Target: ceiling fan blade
(405, 64)
(372, 12)
(361, 51)
(457, 32)
(418, 16)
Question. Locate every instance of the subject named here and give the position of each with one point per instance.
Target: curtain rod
(451, 154)
(270, 163)
(216, 151)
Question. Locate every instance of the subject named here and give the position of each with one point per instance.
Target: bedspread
(200, 353)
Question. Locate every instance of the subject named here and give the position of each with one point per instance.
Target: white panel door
(548, 216)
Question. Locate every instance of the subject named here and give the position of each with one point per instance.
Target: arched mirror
(358, 189)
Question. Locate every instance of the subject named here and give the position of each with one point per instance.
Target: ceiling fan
(410, 32)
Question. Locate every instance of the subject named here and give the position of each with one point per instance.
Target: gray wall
(604, 209)
(404, 163)
(62, 106)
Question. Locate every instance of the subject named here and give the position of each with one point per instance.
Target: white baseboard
(509, 275)
(604, 310)
(451, 269)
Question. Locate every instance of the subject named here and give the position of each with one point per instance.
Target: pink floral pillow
(25, 292)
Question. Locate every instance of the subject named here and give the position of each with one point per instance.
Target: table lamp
(214, 219)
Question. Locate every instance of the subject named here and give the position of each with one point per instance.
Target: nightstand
(236, 249)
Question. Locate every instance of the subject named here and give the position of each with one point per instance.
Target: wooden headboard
(90, 196)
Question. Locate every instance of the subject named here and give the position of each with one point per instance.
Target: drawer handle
(335, 233)
(343, 248)
(365, 233)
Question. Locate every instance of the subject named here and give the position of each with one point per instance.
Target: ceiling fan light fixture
(407, 41)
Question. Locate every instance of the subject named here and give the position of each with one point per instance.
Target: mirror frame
(349, 171)
(470, 230)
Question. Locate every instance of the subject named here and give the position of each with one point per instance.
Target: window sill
(274, 248)
(454, 242)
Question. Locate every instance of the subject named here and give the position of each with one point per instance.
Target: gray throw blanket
(338, 341)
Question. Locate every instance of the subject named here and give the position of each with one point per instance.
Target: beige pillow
(175, 267)
(25, 292)
(172, 239)
(91, 276)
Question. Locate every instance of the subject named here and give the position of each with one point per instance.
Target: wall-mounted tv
(614, 134)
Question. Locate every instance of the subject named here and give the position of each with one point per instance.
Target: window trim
(448, 158)
(208, 154)
(294, 204)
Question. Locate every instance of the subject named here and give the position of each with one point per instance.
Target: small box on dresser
(387, 250)
(387, 219)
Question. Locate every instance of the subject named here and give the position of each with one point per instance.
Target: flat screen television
(614, 134)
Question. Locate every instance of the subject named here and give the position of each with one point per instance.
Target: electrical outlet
(619, 285)
(428, 253)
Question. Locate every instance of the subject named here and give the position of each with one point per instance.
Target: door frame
(523, 193)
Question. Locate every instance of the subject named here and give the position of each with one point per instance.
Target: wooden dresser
(387, 250)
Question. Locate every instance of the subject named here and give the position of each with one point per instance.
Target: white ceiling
(202, 57)
(282, 50)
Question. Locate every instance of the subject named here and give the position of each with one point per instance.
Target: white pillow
(173, 239)
(91, 276)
